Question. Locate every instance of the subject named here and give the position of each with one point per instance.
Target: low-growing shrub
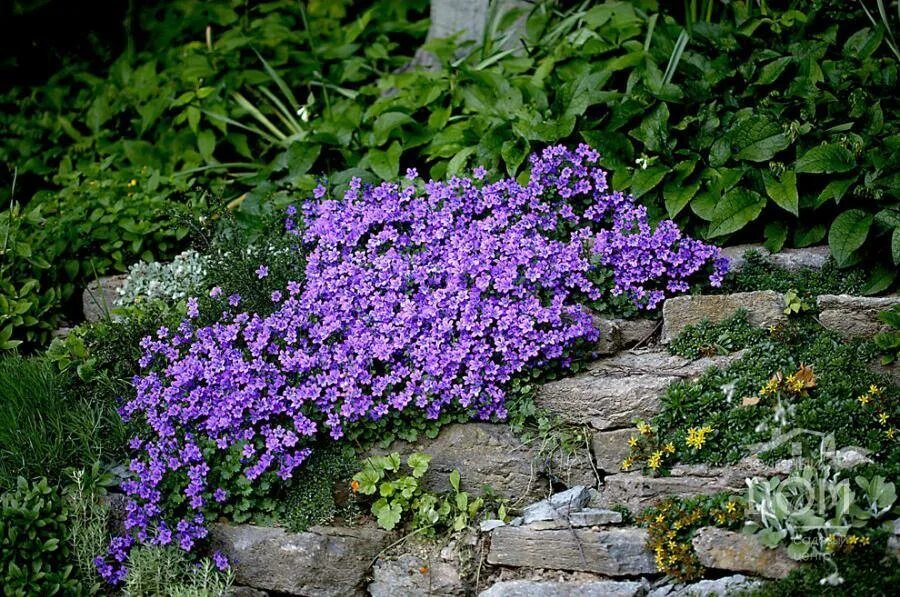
(707, 339)
(34, 550)
(154, 571)
(311, 497)
(421, 297)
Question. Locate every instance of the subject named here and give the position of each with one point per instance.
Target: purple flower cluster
(417, 296)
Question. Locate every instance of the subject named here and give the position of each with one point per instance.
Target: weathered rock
(99, 298)
(486, 526)
(550, 588)
(612, 392)
(619, 334)
(570, 499)
(239, 591)
(539, 512)
(638, 491)
(854, 316)
(727, 550)
(590, 517)
(764, 308)
(805, 258)
(490, 454)
(612, 552)
(405, 577)
(737, 584)
(323, 561)
(737, 254)
(611, 448)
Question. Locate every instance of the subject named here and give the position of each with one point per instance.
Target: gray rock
(612, 552)
(854, 316)
(238, 591)
(404, 577)
(612, 392)
(590, 517)
(728, 550)
(805, 258)
(486, 526)
(539, 511)
(551, 588)
(619, 334)
(737, 254)
(322, 561)
(851, 457)
(893, 543)
(490, 454)
(638, 491)
(569, 500)
(764, 308)
(99, 298)
(611, 448)
(728, 585)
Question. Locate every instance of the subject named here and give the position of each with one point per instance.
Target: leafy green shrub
(34, 553)
(43, 430)
(759, 274)
(88, 521)
(401, 495)
(163, 571)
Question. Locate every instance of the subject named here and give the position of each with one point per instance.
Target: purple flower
(193, 308)
(319, 192)
(276, 296)
(215, 292)
(234, 300)
(412, 174)
(220, 560)
(262, 271)
(479, 173)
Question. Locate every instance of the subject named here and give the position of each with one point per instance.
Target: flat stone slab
(411, 576)
(854, 316)
(619, 334)
(638, 491)
(99, 297)
(611, 448)
(324, 561)
(552, 588)
(789, 259)
(612, 392)
(727, 550)
(764, 308)
(490, 454)
(612, 552)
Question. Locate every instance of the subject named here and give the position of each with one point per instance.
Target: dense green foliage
(741, 122)
(34, 552)
(760, 274)
(320, 491)
(842, 375)
(43, 428)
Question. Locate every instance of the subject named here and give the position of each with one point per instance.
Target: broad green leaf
(771, 71)
(805, 236)
(206, 143)
(776, 235)
(458, 162)
(514, 151)
(847, 234)
(387, 122)
(677, 195)
(757, 139)
(653, 130)
(386, 164)
(783, 192)
(454, 479)
(737, 208)
(645, 180)
(834, 190)
(300, 157)
(881, 278)
(418, 462)
(827, 158)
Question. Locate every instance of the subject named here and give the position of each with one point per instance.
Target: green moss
(311, 498)
(759, 274)
(704, 339)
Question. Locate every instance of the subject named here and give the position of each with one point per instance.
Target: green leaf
(454, 480)
(827, 158)
(783, 192)
(757, 139)
(206, 143)
(805, 236)
(738, 208)
(514, 151)
(770, 72)
(847, 234)
(677, 195)
(300, 157)
(387, 122)
(386, 164)
(834, 190)
(418, 462)
(653, 130)
(388, 514)
(776, 235)
(645, 180)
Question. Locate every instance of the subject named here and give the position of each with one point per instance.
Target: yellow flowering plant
(647, 452)
(879, 405)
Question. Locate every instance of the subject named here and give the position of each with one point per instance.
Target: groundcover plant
(417, 296)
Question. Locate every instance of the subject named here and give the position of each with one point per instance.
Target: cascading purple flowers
(417, 296)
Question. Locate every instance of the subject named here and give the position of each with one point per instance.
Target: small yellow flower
(696, 437)
(864, 399)
(132, 182)
(890, 433)
(644, 428)
(655, 460)
(730, 507)
(627, 464)
(875, 390)
(770, 388)
(660, 518)
(670, 448)
(632, 441)
(882, 418)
